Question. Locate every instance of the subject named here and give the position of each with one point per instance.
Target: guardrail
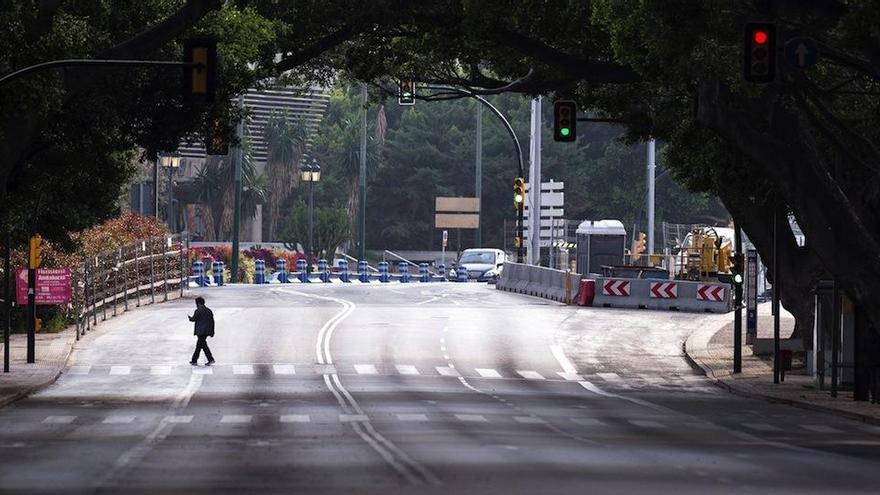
(557, 285)
(133, 274)
(682, 295)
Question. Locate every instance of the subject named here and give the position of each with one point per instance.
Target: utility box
(599, 242)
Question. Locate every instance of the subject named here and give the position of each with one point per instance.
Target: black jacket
(204, 321)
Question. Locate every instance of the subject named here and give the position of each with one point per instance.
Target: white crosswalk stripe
(80, 370)
(348, 418)
(202, 370)
(59, 420)
(366, 369)
(528, 420)
(407, 369)
(160, 370)
(646, 423)
(295, 418)
(471, 418)
(761, 427)
(609, 377)
(120, 370)
(821, 428)
(587, 422)
(118, 420)
(242, 369)
(488, 373)
(572, 377)
(412, 417)
(284, 369)
(179, 419)
(236, 418)
(447, 371)
(530, 375)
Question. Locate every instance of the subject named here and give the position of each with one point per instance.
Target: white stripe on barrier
(664, 290)
(614, 287)
(710, 292)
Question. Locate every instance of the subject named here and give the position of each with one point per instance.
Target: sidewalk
(51, 352)
(711, 350)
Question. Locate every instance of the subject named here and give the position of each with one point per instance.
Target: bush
(124, 229)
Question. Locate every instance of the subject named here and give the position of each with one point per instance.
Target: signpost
(443, 252)
(751, 296)
(801, 53)
(552, 209)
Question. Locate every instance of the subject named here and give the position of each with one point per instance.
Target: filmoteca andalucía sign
(53, 286)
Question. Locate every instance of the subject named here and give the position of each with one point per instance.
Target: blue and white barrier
(384, 276)
(363, 271)
(302, 269)
(461, 274)
(403, 272)
(199, 273)
(441, 271)
(424, 276)
(343, 272)
(281, 268)
(324, 271)
(259, 272)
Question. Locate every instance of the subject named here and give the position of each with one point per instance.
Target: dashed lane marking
(181, 419)
(295, 418)
(646, 423)
(160, 370)
(412, 417)
(447, 371)
(528, 420)
(366, 369)
(236, 418)
(59, 420)
(202, 370)
(120, 370)
(530, 375)
(80, 370)
(349, 418)
(242, 369)
(284, 369)
(471, 418)
(115, 420)
(761, 427)
(488, 373)
(407, 369)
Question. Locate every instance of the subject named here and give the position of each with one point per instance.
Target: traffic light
(200, 80)
(406, 92)
(564, 120)
(638, 246)
(519, 192)
(736, 268)
(759, 52)
(35, 252)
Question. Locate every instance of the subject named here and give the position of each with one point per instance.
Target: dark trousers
(202, 344)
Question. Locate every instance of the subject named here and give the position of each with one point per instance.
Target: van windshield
(478, 257)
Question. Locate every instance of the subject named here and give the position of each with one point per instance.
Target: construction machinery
(705, 253)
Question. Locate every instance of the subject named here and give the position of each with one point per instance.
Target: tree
(286, 142)
(331, 227)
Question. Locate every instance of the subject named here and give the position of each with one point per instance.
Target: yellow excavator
(704, 253)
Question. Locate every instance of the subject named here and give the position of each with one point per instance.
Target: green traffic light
(738, 278)
(565, 131)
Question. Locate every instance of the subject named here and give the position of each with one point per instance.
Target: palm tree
(286, 142)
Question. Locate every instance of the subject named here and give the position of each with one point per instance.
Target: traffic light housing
(564, 120)
(737, 265)
(406, 92)
(35, 252)
(519, 192)
(759, 52)
(200, 80)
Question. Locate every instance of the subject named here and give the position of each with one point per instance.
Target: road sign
(445, 237)
(801, 53)
(615, 288)
(751, 293)
(53, 286)
(710, 293)
(664, 290)
(456, 213)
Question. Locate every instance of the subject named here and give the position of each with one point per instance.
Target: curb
(21, 394)
(708, 373)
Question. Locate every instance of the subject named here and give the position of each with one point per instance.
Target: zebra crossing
(607, 379)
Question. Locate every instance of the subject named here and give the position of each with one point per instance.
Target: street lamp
(311, 173)
(170, 162)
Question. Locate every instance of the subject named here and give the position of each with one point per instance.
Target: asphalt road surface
(418, 388)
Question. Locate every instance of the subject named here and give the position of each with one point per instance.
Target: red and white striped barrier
(616, 288)
(710, 293)
(664, 290)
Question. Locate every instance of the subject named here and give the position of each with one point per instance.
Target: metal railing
(355, 260)
(399, 257)
(137, 273)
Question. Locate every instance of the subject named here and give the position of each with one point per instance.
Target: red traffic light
(760, 37)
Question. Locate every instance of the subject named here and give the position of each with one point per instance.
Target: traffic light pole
(7, 296)
(236, 213)
(76, 62)
(737, 304)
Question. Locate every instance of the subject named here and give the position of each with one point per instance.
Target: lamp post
(170, 162)
(311, 173)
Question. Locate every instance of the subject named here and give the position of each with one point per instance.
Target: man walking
(204, 328)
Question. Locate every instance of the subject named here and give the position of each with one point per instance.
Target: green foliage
(331, 227)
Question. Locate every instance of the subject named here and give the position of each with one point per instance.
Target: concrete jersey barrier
(683, 295)
(538, 281)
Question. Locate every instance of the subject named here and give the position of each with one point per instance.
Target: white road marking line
(202, 370)
(821, 428)
(761, 427)
(609, 377)
(530, 375)
(182, 419)
(447, 371)
(407, 369)
(348, 418)
(236, 418)
(59, 420)
(572, 377)
(587, 422)
(563, 361)
(115, 420)
(284, 369)
(443, 348)
(120, 370)
(646, 423)
(160, 370)
(426, 301)
(488, 373)
(471, 418)
(295, 418)
(80, 370)
(528, 420)
(366, 369)
(596, 390)
(412, 417)
(242, 369)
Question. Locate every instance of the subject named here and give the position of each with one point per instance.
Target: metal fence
(143, 272)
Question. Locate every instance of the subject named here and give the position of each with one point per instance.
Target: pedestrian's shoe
(209, 363)
(194, 363)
